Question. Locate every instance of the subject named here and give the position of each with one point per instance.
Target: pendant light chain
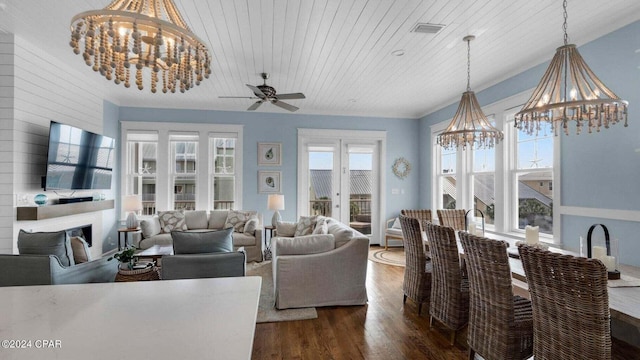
(468, 64)
(564, 24)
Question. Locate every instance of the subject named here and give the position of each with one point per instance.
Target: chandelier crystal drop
(129, 36)
(570, 92)
(469, 125)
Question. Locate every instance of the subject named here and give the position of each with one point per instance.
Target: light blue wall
(402, 140)
(599, 170)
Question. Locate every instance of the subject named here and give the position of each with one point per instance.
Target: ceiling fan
(266, 93)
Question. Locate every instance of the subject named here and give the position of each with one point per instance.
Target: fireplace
(84, 231)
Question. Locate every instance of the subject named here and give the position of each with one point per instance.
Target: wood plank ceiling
(339, 52)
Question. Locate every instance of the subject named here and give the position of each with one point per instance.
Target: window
(182, 165)
(512, 183)
(141, 159)
(184, 156)
(223, 177)
(533, 170)
(482, 175)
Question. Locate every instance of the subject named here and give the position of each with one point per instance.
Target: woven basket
(147, 274)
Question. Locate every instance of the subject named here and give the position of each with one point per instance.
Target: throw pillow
(396, 224)
(80, 248)
(304, 245)
(172, 220)
(285, 228)
(196, 219)
(251, 226)
(47, 243)
(306, 224)
(236, 219)
(150, 227)
(217, 218)
(202, 242)
(321, 227)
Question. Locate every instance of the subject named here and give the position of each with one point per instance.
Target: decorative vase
(126, 265)
(40, 199)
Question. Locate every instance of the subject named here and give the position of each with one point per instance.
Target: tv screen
(78, 159)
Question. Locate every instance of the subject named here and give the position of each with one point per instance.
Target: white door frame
(318, 136)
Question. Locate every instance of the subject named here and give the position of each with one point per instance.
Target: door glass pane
(360, 184)
(535, 200)
(320, 182)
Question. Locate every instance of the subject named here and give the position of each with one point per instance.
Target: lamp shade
(275, 202)
(131, 203)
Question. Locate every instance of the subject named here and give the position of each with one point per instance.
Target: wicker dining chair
(422, 215)
(500, 324)
(449, 302)
(453, 218)
(571, 318)
(417, 271)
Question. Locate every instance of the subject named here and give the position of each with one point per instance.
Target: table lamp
(275, 202)
(132, 204)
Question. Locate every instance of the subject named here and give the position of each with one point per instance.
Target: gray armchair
(17, 270)
(193, 266)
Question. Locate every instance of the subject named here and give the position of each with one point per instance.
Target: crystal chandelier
(141, 34)
(469, 125)
(570, 91)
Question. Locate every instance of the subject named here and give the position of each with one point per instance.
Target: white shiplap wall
(45, 89)
(6, 141)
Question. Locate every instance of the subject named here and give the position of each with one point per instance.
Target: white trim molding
(611, 214)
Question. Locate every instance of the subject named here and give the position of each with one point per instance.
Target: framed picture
(269, 182)
(270, 154)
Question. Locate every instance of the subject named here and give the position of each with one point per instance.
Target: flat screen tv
(78, 159)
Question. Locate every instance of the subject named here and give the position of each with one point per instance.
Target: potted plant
(125, 257)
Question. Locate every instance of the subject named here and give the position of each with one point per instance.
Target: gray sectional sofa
(200, 220)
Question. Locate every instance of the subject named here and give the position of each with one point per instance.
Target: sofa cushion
(150, 226)
(321, 227)
(217, 218)
(172, 220)
(285, 228)
(305, 225)
(46, 243)
(196, 219)
(242, 239)
(159, 239)
(236, 219)
(202, 242)
(303, 245)
(80, 249)
(393, 231)
(341, 233)
(251, 226)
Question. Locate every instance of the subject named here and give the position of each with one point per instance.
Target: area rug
(394, 256)
(266, 308)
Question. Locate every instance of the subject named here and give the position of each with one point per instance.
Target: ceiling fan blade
(255, 105)
(284, 105)
(256, 91)
(291, 96)
(237, 97)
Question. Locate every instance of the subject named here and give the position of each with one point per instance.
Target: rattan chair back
(500, 324)
(453, 218)
(571, 318)
(449, 288)
(420, 214)
(417, 271)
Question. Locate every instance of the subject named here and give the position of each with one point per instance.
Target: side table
(123, 233)
(267, 242)
(147, 274)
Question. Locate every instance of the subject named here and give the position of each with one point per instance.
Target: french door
(340, 177)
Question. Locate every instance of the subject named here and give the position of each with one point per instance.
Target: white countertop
(174, 319)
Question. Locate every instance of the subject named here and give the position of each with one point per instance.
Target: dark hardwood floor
(382, 329)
